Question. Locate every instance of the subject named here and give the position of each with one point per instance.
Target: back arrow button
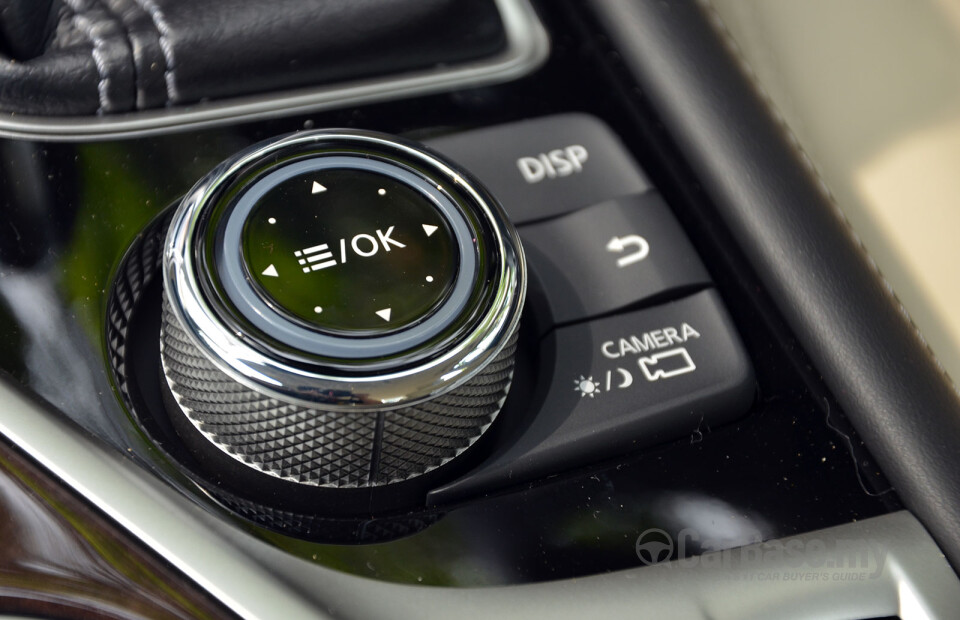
(619, 244)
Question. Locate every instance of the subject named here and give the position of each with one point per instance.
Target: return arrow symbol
(619, 244)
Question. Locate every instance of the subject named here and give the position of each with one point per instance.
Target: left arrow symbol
(317, 188)
(270, 271)
(384, 314)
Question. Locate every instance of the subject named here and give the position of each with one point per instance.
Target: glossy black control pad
(622, 383)
(610, 256)
(545, 167)
(349, 251)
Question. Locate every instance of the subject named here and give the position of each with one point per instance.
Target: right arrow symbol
(427, 228)
(384, 314)
(317, 188)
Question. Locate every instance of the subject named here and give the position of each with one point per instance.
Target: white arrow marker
(384, 314)
(317, 188)
(270, 271)
(427, 228)
(620, 244)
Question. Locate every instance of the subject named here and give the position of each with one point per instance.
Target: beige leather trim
(871, 92)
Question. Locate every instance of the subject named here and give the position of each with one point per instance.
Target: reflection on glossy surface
(60, 363)
(36, 219)
(710, 523)
(58, 559)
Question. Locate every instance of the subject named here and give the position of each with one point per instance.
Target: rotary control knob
(340, 310)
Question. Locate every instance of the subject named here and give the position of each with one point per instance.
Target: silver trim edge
(365, 388)
(255, 580)
(150, 511)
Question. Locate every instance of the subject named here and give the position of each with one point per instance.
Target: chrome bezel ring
(310, 378)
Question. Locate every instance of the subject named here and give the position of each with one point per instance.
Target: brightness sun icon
(586, 386)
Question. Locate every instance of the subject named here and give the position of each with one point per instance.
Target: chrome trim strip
(150, 511)
(527, 48)
(255, 580)
(264, 317)
(879, 567)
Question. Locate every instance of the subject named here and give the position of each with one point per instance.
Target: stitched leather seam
(163, 31)
(731, 44)
(84, 25)
(144, 85)
(108, 11)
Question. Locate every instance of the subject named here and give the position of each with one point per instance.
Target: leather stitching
(721, 28)
(163, 31)
(85, 25)
(108, 12)
(117, 15)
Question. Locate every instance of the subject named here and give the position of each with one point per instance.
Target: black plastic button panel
(610, 256)
(375, 248)
(624, 383)
(635, 343)
(548, 166)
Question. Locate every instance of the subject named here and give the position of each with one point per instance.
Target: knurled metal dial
(340, 309)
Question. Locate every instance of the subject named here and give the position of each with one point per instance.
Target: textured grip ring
(361, 399)
(329, 448)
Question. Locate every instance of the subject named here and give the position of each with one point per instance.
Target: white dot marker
(382, 192)
(429, 278)
(272, 220)
(384, 314)
(317, 309)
